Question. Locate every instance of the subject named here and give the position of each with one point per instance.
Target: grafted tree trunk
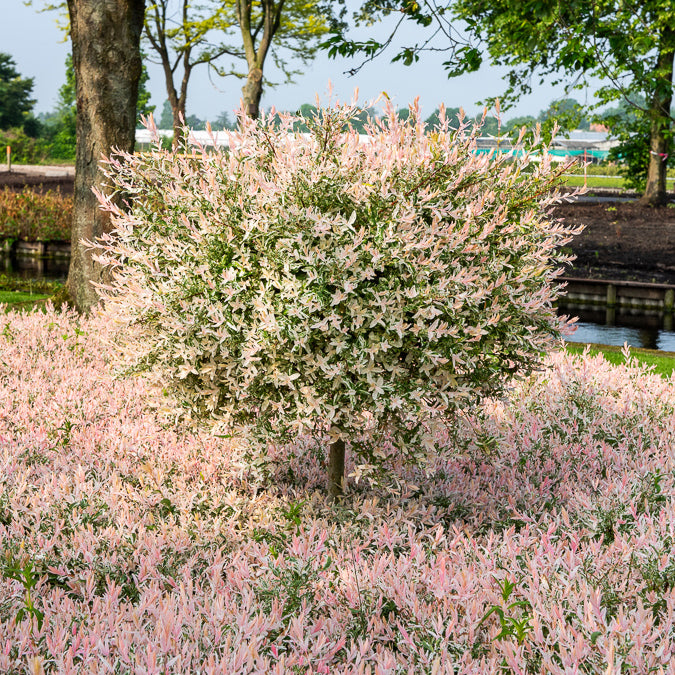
(336, 468)
(660, 144)
(105, 38)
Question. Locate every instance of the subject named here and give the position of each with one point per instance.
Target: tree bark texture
(252, 93)
(660, 144)
(336, 468)
(105, 38)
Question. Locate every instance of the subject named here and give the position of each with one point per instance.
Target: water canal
(648, 331)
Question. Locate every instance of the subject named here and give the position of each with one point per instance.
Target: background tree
(183, 36)
(58, 127)
(630, 126)
(223, 121)
(107, 62)
(294, 26)
(15, 94)
(567, 113)
(628, 43)
(165, 120)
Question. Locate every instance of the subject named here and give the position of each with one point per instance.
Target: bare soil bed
(621, 240)
(58, 180)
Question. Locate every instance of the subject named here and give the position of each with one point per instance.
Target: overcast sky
(35, 42)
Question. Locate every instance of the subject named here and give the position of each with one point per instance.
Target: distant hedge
(25, 148)
(31, 216)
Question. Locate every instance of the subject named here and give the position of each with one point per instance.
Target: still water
(650, 331)
(46, 269)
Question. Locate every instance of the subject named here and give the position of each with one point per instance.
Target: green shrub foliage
(326, 283)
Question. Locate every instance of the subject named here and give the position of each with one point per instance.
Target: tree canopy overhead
(15, 94)
(629, 44)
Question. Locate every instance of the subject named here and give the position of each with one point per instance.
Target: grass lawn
(18, 293)
(612, 182)
(20, 299)
(615, 182)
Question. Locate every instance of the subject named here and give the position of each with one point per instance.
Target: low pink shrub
(145, 549)
(319, 284)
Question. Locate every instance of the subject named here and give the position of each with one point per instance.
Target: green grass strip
(614, 182)
(611, 182)
(20, 300)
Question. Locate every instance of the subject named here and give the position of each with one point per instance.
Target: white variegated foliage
(320, 283)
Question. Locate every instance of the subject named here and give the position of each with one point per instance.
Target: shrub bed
(31, 216)
(541, 541)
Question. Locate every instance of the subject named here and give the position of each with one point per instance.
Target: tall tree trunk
(256, 53)
(660, 123)
(174, 102)
(106, 55)
(178, 103)
(336, 468)
(252, 92)
(178, 115)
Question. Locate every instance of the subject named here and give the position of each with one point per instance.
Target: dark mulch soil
(622, 240)
(16, 180)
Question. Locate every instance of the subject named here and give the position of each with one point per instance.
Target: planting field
(541, 541)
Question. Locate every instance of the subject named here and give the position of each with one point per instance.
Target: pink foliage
(153, 553)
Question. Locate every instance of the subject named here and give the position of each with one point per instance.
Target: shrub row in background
(31, 216)
(25, 148)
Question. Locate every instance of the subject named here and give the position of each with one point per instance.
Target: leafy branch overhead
(629, 44)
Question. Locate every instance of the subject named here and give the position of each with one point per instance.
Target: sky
(37, 45)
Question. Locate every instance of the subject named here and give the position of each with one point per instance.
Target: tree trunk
(336, 468)
(252, 92)
(174, 101)
(660, 124)
(106, 56)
